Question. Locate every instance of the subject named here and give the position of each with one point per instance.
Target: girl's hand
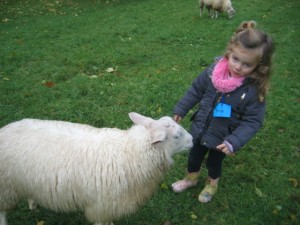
(223, 148)
(177, 118)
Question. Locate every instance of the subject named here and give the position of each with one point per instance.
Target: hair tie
(249, 24)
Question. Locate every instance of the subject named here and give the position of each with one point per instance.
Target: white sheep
(105, 172)
(217, 6)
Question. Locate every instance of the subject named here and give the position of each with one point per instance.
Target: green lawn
(54, 57)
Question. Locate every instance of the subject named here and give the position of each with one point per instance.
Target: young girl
(231, 96)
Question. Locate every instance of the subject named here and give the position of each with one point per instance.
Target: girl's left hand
(223, 148)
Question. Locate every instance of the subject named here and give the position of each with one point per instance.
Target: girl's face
(242, 61)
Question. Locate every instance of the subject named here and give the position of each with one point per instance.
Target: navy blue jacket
(247, 112)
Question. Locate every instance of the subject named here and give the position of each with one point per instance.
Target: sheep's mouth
(231, 14)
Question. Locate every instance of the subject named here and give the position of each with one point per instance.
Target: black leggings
(213, 162)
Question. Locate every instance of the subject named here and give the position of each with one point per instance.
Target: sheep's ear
(157, 135)
(139, 119)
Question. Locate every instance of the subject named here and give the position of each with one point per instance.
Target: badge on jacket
(222, 110)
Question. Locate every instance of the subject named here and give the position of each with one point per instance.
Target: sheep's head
(230, 11)
(166, 132)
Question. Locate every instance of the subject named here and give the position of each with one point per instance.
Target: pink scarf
(221, 79)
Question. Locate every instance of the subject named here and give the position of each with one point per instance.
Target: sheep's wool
(107, 173)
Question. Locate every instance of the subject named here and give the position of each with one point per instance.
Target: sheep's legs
(214, 14)
(201, 10)
(201, 7)
(3, 218)
(31, 204)
(210, 12)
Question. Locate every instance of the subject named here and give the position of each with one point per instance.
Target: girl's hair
(248, 37)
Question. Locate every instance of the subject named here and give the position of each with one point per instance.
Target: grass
(53, 61)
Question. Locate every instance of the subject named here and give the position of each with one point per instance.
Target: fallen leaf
(110, 70)
(48, 83)
(293, 181)
(293, 217)
(194, 216)
(277, 210)
(159, 110)
(41, 222)
(164, 186)
(259, 192)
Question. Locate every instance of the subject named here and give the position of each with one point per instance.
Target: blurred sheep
(217, 6)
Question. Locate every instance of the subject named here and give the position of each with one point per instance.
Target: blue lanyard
(222, 99)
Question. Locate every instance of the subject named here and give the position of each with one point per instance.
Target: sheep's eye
(178, 134)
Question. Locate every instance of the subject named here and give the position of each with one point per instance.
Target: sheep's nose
(190, 142)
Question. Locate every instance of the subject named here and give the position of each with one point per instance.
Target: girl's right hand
(177, 118)
(223, 148)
